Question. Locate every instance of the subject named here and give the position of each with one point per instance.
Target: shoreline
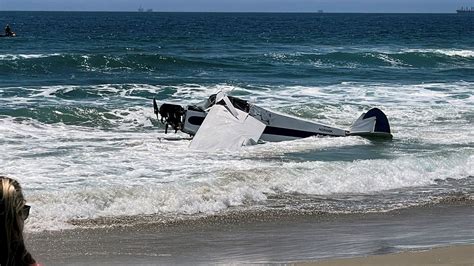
(448, 255)
(278, 238)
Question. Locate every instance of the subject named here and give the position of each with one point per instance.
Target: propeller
(156, 110)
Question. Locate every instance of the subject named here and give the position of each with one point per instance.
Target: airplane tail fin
(374, 123)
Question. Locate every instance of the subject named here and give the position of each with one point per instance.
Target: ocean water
(77, 126)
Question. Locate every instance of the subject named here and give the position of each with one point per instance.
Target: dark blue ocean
(77, 126)
(232, 48)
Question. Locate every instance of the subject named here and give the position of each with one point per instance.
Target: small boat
(12, 35)
(466, 10)
(275, 127)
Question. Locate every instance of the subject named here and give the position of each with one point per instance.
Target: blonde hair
(12, 248)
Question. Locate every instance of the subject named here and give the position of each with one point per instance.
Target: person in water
(8, 31)
(13, 213)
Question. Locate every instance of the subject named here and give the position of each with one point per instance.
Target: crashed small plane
(227, 123)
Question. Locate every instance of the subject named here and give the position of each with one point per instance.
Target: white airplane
(226, 122)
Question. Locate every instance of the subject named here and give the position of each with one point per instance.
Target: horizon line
(262, 12)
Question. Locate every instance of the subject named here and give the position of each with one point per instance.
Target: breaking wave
(155, 186)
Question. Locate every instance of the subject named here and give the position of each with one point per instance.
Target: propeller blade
(155, 108)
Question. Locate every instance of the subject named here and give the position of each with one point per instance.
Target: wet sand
(279, 237)
(458, 255)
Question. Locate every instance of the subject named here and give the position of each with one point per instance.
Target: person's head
(13, 212)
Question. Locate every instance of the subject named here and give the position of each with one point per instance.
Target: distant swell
(408, 58)
(62, 63)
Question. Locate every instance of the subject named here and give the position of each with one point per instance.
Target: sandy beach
(272, 238)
